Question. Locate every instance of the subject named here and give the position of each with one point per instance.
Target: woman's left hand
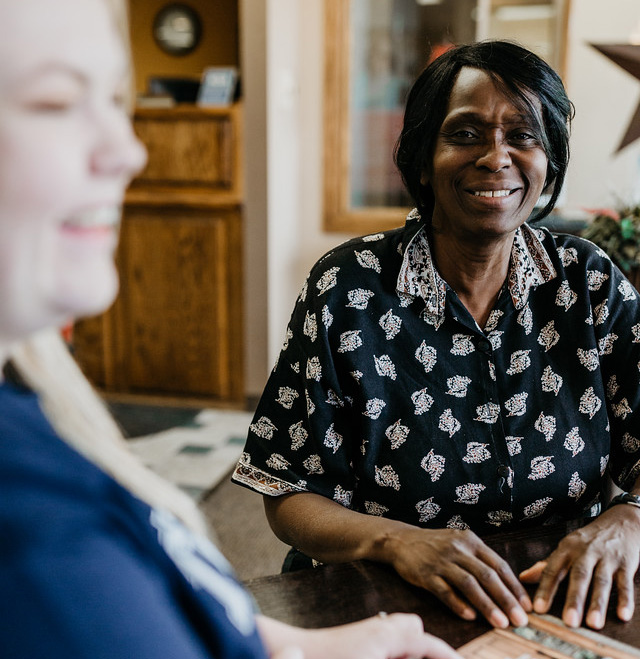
(604, 552)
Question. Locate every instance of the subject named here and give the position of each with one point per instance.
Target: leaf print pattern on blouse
(374, 407)
(276, 461)
(427, 509)
(342, 496)
(373, 508)
(605, 344)
(541, 467)
(313, 465)
(458, 385)
(601, 313)
(422, 401)
(391, 324)
(525, 319)
(448, 423)
(333, 439)
(622, 409)
(298, 435)
(397, 434)
(367, 259)
(385, 367)
(310, 327)
(263, 427)
(546, 424)
(359, 298)
(314, 369)
(514, 445)
(626, 290)
(636, 333)
(629, 443)
(517, 405)
(487, 413)
(328, 280)
(595, 279)
(327, 317)
(350, 341)
(476, 453)
(577, 486)
(387, 477)
(469, 493)
(567, 256)
(589, 403)
(427, 356)
(551, 382)
(287, 397)
(589, 358)
(573, 442)
(462, 345)
(537, 508)
(566, 298)
(520, 362)
(548, 336)
(434, 465)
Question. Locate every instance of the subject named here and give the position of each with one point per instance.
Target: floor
(197, 449)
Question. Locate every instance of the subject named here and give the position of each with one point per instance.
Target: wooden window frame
(339, 216)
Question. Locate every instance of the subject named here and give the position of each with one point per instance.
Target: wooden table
(337, 594)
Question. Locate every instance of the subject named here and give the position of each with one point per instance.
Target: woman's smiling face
(67, 153)
(489, 166)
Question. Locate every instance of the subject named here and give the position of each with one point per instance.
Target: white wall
(280, 251)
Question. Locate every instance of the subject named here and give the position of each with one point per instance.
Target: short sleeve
(302, 436)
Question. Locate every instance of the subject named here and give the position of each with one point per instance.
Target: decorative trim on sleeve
(262, 482)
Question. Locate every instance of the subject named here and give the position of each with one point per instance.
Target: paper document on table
(546, 637)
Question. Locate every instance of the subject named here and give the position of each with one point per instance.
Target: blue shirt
(88, 570)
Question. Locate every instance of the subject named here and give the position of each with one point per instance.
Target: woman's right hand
(459, 569)
(392, 636)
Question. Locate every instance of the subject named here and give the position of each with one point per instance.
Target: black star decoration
(626, 56)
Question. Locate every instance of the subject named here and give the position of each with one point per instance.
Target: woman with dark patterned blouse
(466, 372)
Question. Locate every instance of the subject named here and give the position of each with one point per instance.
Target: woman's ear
(424, 178)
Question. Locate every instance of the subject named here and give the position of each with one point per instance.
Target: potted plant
(618, 234)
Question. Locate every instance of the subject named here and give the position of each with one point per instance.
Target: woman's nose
(495, 156)
(119, 152)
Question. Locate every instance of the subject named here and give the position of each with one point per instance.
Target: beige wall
(219, 20)
(605, 97)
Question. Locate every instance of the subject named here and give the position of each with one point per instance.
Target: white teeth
(106, 216)
(492, 193)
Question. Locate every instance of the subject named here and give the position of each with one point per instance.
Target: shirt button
(484, 346)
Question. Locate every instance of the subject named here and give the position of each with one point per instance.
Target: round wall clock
(177, 29)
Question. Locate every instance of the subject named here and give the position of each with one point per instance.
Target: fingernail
(625, 613)
(498, 619)
(594, 619)
(539, 605)
(525, 602)
(468, 614)
(518, 617)
(571, 618)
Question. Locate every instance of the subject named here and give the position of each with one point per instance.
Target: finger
(532, 574)
(507, 576)
(409, 630)
(443, 591)
(553, 573)
(626, 598)
(466, 582)
(582, 573)
(601, 592)
(499, 582)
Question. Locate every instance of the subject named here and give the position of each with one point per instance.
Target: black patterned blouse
(389, 399)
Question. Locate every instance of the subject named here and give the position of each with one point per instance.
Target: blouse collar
(530, 266)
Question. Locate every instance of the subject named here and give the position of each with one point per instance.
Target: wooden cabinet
(176, 327)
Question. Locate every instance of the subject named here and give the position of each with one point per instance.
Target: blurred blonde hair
(78, 414)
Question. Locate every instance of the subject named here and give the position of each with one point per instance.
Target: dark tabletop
(336, 594)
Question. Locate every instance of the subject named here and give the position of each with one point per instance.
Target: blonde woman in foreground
(99, 557)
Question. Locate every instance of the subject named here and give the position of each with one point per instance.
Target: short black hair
(521, 74)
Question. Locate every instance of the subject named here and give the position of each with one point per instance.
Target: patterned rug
(193, 448)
